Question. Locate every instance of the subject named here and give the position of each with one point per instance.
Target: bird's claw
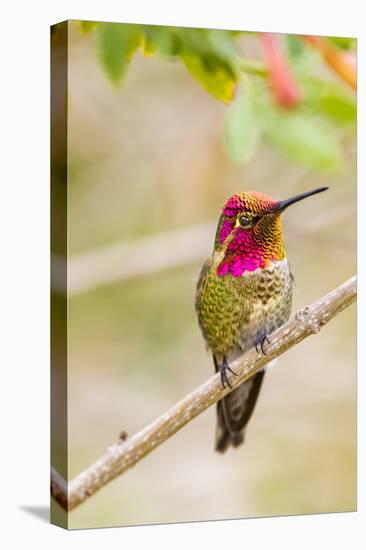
(224, 367)
(260, 344)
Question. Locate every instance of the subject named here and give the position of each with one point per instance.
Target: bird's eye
(245, 221)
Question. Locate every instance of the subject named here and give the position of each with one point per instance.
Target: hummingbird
(244, 292)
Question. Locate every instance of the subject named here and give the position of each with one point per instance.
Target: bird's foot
(224, 367)
(260, 344)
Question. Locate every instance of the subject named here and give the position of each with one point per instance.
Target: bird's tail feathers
(224, 438)
(234, 412)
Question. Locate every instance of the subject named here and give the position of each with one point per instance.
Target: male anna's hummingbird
(244, 293)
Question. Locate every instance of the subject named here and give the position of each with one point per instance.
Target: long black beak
(282, 205)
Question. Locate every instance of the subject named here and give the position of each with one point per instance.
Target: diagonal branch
(124, 454)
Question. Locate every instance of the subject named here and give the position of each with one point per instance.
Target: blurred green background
(148, 156)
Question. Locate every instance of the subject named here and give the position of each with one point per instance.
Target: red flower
(285, 89)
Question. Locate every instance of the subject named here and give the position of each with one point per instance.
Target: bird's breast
(234, 312)
(271, 304)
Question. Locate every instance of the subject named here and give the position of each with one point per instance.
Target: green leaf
(214, 74)
(331, 100)
(295, 47)
(343, 42)
(302, 138)
(116, 44)
(241, 133)
(303, 58)
(163, 40)
(222, 43)
(87, 26)
(207, 54)
(339, 107)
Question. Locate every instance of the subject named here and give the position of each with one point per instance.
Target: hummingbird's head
(249, 233)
